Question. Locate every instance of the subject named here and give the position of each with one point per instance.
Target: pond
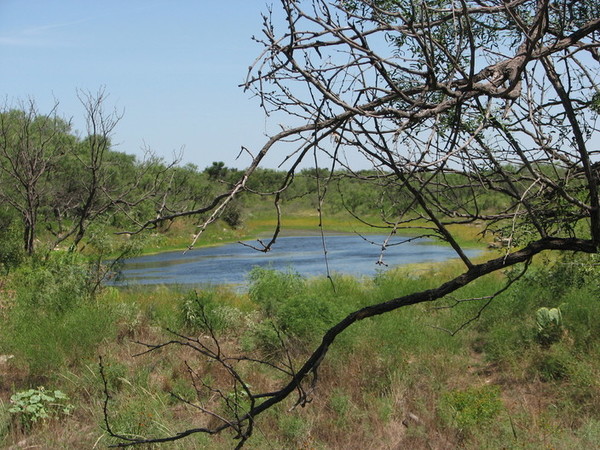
(230, 264)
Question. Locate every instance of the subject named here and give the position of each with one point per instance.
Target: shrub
(269, 288)
(232, 216)
(298, 310)
(555, 363)
(552, 367)
(54, 320)
(46, 343)
(202, 311)
(52, 286)
(305, 316)
(549, 325)
(473, 407)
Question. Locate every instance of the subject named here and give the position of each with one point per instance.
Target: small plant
(35, 404)
(340, 404)
(202, 311)
(473, 407)
(553, 367)
(549, 325)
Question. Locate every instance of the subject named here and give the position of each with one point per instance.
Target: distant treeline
(56, 186)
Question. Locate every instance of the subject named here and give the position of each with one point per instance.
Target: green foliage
(233, 215)
(549, 325)
(202, 310)
(140, 414)
(107, 253)
(291, 307)
(217, 170)
(39, 404)
(54, 321)
(114, 374)
(509, 324)
(473, 407)
(46, 343)
(397, 358)
(293, 429)
(11, 245)
(265, 336)
(269, 288)
(340, 402)
(54, 285)
(553, 366)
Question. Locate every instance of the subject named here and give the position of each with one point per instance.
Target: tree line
(56, 184)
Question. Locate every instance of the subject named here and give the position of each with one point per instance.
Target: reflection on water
(230, 264)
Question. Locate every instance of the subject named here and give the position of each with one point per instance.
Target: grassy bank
(399, 380)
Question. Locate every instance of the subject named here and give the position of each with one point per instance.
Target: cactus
(549, 325)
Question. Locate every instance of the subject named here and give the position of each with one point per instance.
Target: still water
(230, 264)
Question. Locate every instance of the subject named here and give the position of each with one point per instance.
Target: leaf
(59, 395)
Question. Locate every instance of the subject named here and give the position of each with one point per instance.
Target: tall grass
(54, 320)
(467, 371)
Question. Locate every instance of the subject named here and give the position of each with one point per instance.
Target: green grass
(402, 377)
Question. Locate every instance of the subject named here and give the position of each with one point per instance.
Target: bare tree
(448, 102)
(30, 146)
(50, 174)
(99, 184)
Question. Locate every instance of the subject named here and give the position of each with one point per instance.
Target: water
(230, 264)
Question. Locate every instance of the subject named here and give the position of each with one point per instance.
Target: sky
(171, 67)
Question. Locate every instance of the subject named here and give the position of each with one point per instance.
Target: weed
(473, 407)
(549, 325)
(39, 404)
(340, 403)
(294, 429)
(203, 311)
(555, 362)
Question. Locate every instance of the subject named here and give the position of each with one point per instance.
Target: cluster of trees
(56, 184)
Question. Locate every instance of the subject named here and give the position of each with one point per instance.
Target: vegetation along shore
(470, 124)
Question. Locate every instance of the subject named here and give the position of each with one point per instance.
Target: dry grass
(384, 385)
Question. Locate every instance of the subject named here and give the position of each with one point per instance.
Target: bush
(473, 407)
(46, 343)
(11, 246)
(305, 316)
(232, 216)
(202, 311)
(52, 286)
(270, 288)
(299, 311)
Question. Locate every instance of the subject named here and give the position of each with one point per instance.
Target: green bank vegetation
(513, 378)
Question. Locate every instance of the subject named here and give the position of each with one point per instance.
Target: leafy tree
(217, 170)
(447, 101)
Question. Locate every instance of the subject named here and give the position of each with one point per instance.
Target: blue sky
(173, 67)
